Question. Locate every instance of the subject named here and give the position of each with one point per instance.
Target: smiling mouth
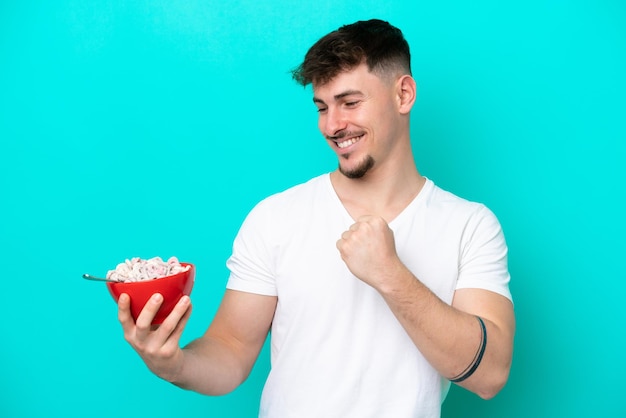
(348, 142)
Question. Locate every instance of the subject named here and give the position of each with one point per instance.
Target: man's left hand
(369, 250)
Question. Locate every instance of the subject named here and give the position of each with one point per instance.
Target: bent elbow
(494, 386)
(489, 393)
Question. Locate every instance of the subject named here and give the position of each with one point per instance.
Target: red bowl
(171, 287)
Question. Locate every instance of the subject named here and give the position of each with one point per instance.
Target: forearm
(223, 357)
(448, 337)
(211, 367)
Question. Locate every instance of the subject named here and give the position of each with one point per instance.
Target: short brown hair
(377, 43)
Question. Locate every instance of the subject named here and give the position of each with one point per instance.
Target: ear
(406, 89)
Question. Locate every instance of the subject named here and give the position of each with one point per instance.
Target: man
(379, 288)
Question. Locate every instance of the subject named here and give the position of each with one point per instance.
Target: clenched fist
(369, 251)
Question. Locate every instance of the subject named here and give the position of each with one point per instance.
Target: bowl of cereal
(140, 279)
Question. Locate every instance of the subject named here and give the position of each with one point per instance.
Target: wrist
(173, 369)
(395, 279)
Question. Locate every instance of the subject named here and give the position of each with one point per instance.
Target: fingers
(172, 343)
(368, 248)
(357, 231)
(155, 344)
(177, 319)
(144, 320)
(364, 224)
(123, 311)
(346, 236)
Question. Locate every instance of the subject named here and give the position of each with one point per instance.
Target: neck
(380, 192)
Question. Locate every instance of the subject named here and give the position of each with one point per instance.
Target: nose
(332, 122)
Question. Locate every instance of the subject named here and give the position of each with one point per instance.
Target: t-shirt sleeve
(250, 265)
(484, 255)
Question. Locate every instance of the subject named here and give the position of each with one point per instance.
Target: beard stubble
(360, 170)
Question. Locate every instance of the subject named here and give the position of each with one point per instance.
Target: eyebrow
(339, 96)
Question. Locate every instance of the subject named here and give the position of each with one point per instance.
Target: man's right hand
(218, 361)
(158, 346)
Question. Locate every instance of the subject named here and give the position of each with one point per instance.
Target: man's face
(358, 118)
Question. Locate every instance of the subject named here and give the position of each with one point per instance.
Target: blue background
(143, 128)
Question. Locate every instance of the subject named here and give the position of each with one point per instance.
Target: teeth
(348, 142)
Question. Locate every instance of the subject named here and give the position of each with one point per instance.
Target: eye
(321, 109)
(353, 103)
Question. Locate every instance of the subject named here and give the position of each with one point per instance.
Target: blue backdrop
(143, 128)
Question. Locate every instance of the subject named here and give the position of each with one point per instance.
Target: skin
(372, 113)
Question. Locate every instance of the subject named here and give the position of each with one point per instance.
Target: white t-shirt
(336, 348)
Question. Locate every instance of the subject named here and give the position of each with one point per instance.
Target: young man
(379, 288)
